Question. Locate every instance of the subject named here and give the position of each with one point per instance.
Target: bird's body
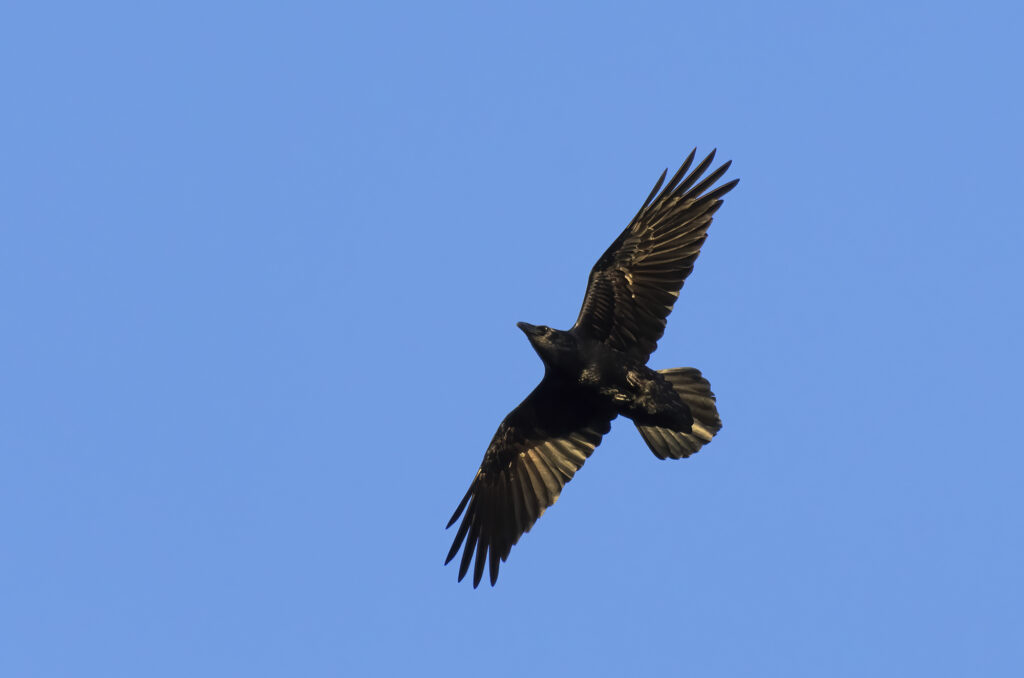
(607, 377)
(596, 371)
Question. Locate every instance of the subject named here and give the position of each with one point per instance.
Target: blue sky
(261, 266)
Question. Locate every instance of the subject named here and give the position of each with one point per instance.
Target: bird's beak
(528, 329)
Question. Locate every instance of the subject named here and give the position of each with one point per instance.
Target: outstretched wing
(537, 449)
(634, 284)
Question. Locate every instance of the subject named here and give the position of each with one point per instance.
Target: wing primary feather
(481, 560)
(717, 193)
(508, 519)
(495, 559)
(518, 509)
(654, 191)
(679, 173)
(459, 536)
(467, 554)
(462, 504)
(695, 174)
(710, 179)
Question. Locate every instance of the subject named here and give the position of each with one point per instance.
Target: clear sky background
(260, 265)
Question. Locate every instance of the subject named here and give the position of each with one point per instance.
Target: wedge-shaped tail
(695, 391)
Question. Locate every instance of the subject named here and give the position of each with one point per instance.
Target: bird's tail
(695, 391)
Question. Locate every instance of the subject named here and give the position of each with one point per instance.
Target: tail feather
(695, 391)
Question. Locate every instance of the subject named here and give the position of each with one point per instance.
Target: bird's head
(553, 346)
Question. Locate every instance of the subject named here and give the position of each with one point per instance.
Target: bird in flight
(598, 370)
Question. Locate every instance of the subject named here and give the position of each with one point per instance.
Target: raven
(598, 370)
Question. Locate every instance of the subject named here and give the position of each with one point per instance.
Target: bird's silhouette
(598, 370)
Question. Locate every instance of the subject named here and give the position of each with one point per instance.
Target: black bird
(598, 370)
